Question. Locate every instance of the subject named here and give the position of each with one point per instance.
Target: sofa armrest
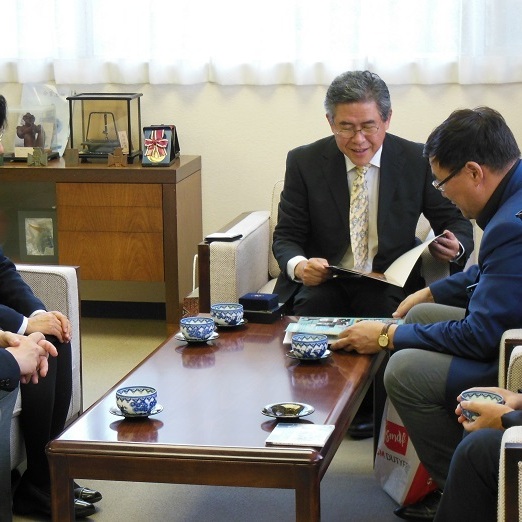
(57, 287)
(227, 270)
(510, 339)
(510, 479)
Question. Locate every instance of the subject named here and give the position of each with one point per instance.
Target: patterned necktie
(359, 205)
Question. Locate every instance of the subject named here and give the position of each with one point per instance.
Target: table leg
(379, 399)
(308, 498)
(62, 493)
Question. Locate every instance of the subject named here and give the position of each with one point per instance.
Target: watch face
(383, 340)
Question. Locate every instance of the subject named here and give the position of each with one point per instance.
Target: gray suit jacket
(314, 207)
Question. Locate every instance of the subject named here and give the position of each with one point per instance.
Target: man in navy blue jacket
(451, 339)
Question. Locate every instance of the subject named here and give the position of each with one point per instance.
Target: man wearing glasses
(314, 223)
(451, 336)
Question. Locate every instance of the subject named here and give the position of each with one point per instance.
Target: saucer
(116, 411)
(293, 355)
(241, 323)
(180, 337)
(277, 410)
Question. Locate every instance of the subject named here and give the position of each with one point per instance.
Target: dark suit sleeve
(16, 297)
(9, 371)
(512, 418)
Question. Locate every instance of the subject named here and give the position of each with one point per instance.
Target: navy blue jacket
(493, 307)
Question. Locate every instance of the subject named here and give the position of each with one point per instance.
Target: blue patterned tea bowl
(136, 400)
(227, 314)
(309, 346)
(479, 395)
(197, 328)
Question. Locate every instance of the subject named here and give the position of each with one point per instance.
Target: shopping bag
(397, 466)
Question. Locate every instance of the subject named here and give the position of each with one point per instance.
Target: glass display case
(101, 122)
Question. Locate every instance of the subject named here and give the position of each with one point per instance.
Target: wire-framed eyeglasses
(350, 132)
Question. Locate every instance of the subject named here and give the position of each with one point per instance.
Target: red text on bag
(396, 438)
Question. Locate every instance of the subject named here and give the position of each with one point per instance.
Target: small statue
(33, 135)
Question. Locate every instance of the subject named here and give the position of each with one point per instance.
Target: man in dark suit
(451, 336)
(313, 228)
(22, 359)
(45, 402)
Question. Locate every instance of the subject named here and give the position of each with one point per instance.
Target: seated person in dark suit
(44, 404)
(22, 359)
(314, 220)
(471, 490)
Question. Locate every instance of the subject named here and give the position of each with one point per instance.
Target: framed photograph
(37, 234)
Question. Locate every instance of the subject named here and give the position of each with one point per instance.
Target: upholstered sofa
(57, 287)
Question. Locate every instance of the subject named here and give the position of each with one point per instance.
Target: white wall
(243, 133)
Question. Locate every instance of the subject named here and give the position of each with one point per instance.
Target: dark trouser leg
(44, 411)
(7, 402)
(358, 297)
(472, 484)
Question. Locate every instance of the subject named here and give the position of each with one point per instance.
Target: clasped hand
(31, 353)
(51, 323)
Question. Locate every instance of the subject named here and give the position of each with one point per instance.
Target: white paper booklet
(397, 273)
(293, 434)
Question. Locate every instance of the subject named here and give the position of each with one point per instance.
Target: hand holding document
(397, 273)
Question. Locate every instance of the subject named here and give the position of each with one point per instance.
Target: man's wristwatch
(384, 340)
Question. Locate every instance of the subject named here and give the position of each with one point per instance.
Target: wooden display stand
(126, 223)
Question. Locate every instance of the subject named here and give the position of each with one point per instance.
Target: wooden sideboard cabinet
(122, 226)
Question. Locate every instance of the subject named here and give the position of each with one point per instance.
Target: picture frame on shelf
(38, 236)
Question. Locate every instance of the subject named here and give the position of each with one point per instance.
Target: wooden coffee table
(211, 430)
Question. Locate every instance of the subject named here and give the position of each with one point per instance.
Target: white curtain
(234, 42)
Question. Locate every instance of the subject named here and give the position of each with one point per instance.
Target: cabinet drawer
(110, 219)
(108, 195)
(111, 256)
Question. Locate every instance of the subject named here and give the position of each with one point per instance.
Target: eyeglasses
(350, 132)
(438, 184)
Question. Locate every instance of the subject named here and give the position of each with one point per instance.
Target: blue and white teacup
(479, 395)
(227, 314)
(197, 328)
(136, 400)
(309, 346)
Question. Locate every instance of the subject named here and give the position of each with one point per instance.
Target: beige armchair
(228, 270)
(510, 476)
(57, 287)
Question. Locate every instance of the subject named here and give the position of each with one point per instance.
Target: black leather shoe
(422, 510)
(31, 500)
(361, 426)
(88, 495)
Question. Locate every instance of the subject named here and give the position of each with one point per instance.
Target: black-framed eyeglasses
(438, 184)
(350, 132)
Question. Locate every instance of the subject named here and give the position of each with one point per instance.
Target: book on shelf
(396, 274)
(330, 326)
(294, 434)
